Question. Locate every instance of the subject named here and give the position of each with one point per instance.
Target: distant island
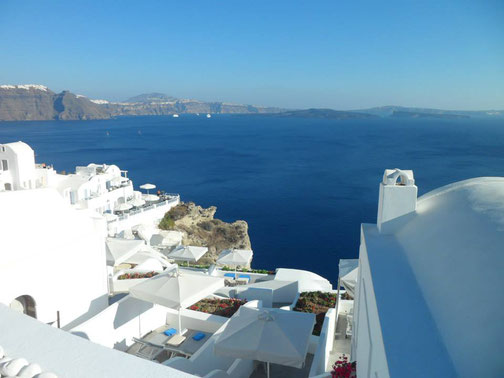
(33, 102)
(323, 113)
(37, 102)
(399, 114)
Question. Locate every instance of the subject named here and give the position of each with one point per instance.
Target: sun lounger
(245, 278)
(147, 350)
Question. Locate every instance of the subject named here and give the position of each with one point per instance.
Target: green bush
(167, 223)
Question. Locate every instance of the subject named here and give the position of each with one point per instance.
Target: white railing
(140, 210)
(325, 345)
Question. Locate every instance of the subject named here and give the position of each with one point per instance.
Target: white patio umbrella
(137, 202)
(348, 269)
(187, 253)
(175, 289)
(268, 335)
(150, 197)
(119, 250)
(235, 257)
(109, 217)
(124, 206)
(148, 187)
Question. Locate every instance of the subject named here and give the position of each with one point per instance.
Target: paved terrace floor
(280, 371)
(342, 345)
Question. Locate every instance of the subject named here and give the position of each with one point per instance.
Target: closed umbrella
(187, 253)
(268, 335)
(235, 257)
(174, 289)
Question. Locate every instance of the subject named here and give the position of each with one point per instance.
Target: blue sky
(337, 54)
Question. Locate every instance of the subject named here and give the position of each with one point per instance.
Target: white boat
(209, 115)
(175, 116)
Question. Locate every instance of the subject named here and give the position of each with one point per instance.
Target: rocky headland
(200, 228)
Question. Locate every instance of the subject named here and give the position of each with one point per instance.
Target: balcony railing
(172, 198)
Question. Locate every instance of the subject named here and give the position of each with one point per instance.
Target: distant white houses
(53, 233)
(100, 188)
(429, 296)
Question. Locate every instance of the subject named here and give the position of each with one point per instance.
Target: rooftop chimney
(398, 195)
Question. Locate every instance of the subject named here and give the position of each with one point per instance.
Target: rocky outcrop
(36, 102)
(200, 228)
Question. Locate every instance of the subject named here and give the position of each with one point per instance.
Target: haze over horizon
(435, 54)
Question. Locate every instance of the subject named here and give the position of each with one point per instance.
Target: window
(5, 165)
(2, 149)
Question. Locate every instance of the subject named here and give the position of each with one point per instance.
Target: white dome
(454, 244)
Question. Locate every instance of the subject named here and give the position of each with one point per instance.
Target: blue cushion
(170, 332)
(244, 276)
(199, 336)
(229, 275)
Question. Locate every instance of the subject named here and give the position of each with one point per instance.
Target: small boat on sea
(209, 115)
(175, 116)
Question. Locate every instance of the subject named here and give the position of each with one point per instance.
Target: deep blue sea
(304, 186)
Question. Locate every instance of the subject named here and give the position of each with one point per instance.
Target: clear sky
(341, 54)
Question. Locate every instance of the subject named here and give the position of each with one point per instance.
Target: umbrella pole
(179, 321)
(267, 368)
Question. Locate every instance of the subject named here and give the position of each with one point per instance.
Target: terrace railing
(171, 199)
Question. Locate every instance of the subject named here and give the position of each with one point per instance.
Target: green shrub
(167, 223)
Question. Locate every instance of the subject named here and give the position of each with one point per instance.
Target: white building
(52, 257)
(429, 298)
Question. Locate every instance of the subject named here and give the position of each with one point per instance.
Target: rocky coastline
(199, 228)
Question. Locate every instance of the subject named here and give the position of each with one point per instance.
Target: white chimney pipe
(398, 195)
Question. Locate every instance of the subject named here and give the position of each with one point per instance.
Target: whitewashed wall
(53, 253)
(369, 348)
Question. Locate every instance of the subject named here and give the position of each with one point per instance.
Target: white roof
(449, 254)
(307, 281)
(19, 147)
(68, 355)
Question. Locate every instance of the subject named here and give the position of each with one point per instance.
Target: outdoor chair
(147, 350)
(243, 278)
(349, 326)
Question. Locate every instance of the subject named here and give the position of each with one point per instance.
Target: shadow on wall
(81, 334)
(96, 305)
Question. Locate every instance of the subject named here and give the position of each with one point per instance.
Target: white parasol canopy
(150, 197)
(187, 253)
(148, 186)
(348, 269)
(137, 202)
(177, 290)
(109, 217)
(268, 335)
(120, 250)
(124, 207)
(235, 257)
